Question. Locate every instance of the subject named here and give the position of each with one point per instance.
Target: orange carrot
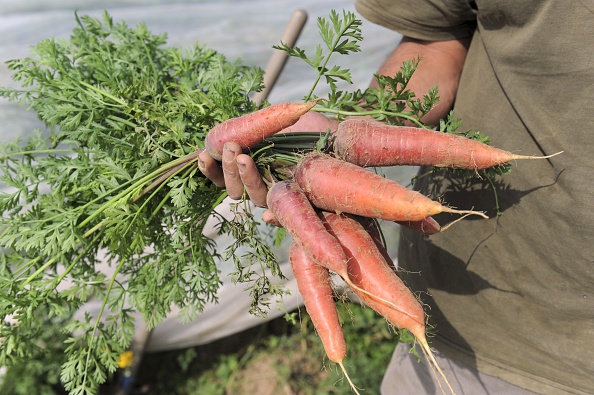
(371, 143)
(250, 129)
(373, 228)
(294, 212)
(334, 185)
(370, 271)
(315, 286)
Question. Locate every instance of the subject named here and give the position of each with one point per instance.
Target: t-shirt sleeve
(434, 20)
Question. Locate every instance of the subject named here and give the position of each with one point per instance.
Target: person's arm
(441, 65)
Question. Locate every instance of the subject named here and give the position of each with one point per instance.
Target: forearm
(441, 65)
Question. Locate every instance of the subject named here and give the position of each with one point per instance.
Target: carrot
(294, 212)
(370, 271)
(373, 228)
(371, 143)
(313, 282)
(250, 129)
(335, 185)
(368, 268)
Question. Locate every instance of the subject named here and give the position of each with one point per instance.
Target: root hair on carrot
(516, 156)
(448, 225)
(378, 299)
(434, 366)
(346, 375)
(452, 210)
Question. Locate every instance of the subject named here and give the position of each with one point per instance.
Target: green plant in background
(40, 373)
(278, 356)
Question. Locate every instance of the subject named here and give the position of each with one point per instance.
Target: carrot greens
(113, 178)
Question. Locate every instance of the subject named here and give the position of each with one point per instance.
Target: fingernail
(229, 149)
(241, 168)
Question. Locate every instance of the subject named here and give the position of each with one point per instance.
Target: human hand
(237, 171)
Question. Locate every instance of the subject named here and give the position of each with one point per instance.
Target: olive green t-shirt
(514, 295)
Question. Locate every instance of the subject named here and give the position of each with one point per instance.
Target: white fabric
(406, 375)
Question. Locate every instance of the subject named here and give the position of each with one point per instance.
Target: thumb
(269, 218)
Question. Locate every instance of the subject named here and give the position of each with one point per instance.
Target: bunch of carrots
(330, 204)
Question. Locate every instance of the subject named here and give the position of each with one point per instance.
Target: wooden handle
(279, 58)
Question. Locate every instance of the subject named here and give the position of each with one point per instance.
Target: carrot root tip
(435, 366)
(443, 228)
(348, 378)
(536, 157)
(466, 212)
